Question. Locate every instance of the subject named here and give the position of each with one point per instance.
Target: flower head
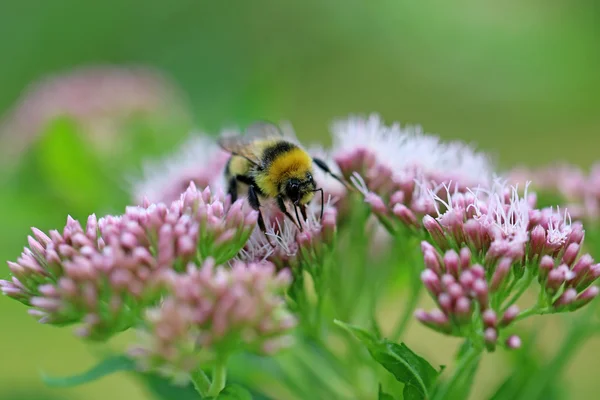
(82, 276)
(102, 276)
(511, 243)
(390, 158)
(212, 311)
(464, 293)
(199, 160)
(285, 245)
(100, 98)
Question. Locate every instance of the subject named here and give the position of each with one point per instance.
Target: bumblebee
(272, 168)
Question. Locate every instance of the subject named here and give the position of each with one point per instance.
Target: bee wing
(263, 130)
(239, 146)
(244, 145)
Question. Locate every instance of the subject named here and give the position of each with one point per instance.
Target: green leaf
(409, 368)
(106, 367)
(233, 392)
(161, 388)
(384, 396)
(71, 168)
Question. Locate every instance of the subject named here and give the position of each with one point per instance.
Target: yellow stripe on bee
(292, 164)
(238, 166)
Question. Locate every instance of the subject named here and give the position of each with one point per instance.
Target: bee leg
(232, 188)
(303, 211)
(281, 205)
(255, 204)
(323, 165)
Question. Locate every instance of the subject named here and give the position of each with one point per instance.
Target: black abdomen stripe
(276, 150)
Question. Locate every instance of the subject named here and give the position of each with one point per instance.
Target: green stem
(415, 287)
(219, 378)
(533, 311)
(415, 293)
(466, 365)
(200, 381)
(526, 281)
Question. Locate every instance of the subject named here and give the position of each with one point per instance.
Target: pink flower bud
(426, 246)
(583, 264)
(462, 309)
(513, 342)
(41, 237)
(538, 240)
(376, 202)
(577, 233)
(570, 254)
(397, 198)
(474, 234)
(445, 302)
(478, 271)
(500, 274)
(509, 315)
(465, 258)
(466, 279)
(481, 293)
(448, 280)
(567, 298)
(452, 261)
(405, 215)
(431, 261)
(585, 297)
(455, 291)
(490, 336)
(436, 231)
(546, 265)
(554, 281)
(431, 282)
(489, 318)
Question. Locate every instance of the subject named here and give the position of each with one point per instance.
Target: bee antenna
(298, 218)
(325, 168)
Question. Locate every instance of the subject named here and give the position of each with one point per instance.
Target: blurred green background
(519, 79)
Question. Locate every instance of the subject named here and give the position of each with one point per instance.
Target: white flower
(282, 233)
(410, 151)
(503, 211)
(558, 226)
(199, 159)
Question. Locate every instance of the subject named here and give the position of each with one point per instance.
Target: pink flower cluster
(400, 165)
(286, 246)
(495, 243)
(463, 293)
(102, 276)
(210, 311)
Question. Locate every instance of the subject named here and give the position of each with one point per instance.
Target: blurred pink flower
(100, 98)
(212, 311)
(579, 190)
(199, 160)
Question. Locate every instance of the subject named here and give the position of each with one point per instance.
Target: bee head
(297, 189)
(293, 189)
